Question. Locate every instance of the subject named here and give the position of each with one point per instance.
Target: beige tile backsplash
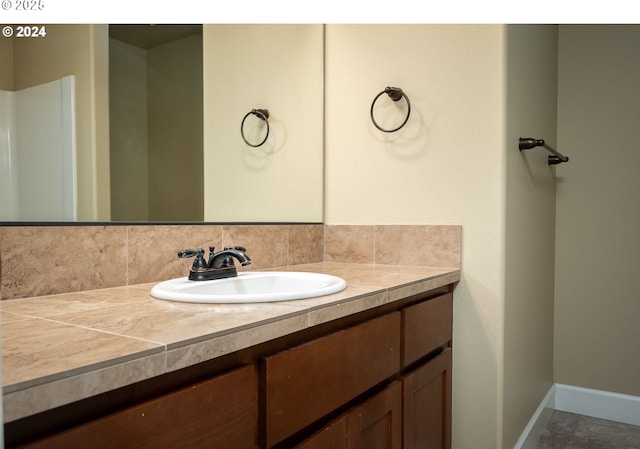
(349, 243)
(44, 260)
(152, 250)
(417, 245)
(37, 261)
(421, 245)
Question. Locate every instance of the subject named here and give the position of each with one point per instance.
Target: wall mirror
(155, 128)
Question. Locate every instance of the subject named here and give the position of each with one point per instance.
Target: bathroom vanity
(364, 368)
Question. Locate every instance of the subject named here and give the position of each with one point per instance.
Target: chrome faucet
(220, 265)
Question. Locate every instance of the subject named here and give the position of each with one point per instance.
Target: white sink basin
(259, 286)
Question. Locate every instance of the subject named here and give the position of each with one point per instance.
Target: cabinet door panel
(427, 326)
(427, 405)
(334, 436)
(218, 413)
(377, 423)
(305, 383)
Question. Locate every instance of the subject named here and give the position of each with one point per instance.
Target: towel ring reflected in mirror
(262, 114)
(396, 94)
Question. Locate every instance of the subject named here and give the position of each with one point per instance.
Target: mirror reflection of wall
(122, 174)
(155, 112)
(80, 51)
(279, 68)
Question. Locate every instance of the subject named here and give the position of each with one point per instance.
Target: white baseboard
(538, 421)
(618, 407)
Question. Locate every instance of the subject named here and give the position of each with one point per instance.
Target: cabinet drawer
(218, 413)
(303, 384)
(426, 326)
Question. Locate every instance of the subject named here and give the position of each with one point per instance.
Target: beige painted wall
(279, 68)
(175, 83)
(473, 89)
(80, 50)
(156, 131)
(99, 70)
(530, 224)
(598, 211)
(6, 68)
(128, 132)
(445, 166)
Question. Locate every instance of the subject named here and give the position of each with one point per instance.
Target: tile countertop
(61, 348)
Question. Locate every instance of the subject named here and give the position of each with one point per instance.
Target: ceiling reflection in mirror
(154, 116)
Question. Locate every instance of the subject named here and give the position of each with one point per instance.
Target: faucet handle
(199, 253)
(184, 253)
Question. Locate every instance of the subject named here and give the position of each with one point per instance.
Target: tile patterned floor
(571, 431)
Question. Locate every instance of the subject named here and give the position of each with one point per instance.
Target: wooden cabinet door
(427, 405)
(377, 423)
(218, 413)
(333, 436)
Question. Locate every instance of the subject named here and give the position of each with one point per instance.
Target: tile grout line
(128, 257)
(288, 244)
(103, 331)
(373, 256)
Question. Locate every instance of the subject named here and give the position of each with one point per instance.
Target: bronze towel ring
(395, 93)
(262, 114)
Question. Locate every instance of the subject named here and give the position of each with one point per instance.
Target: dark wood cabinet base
(377, 379)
